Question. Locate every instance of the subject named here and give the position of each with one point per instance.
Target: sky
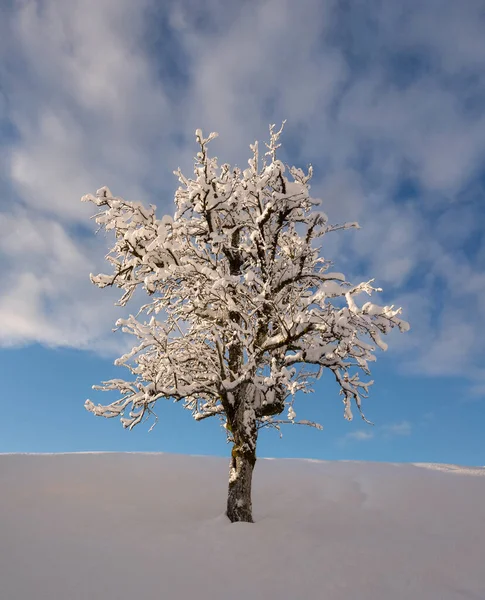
(386, 100)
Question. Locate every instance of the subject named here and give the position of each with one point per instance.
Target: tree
(244, 310)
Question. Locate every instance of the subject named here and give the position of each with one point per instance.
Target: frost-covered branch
(244, 311)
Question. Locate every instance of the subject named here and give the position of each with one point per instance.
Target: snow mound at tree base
(152, 526)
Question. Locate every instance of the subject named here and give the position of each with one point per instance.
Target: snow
(122, 526)
(238, 277)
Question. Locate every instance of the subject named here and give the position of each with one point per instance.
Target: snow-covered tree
(244, 311)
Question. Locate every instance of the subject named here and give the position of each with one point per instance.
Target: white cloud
(373, 94)
(360, 436)
(45, 297)
(83, 98)
(403, 428)
(397, 429)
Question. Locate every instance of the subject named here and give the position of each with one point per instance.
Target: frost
(232, 475)
(239, 298)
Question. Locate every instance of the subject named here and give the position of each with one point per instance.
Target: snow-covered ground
(146, 526)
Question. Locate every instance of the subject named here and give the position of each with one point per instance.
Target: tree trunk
(239, 505)
(243, 459)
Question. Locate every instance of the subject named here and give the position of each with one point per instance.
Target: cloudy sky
(385, 98)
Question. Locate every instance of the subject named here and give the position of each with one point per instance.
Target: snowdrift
(151, 526)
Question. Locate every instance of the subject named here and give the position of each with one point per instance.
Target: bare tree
(244, 311)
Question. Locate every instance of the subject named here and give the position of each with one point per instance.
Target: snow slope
(146, 526)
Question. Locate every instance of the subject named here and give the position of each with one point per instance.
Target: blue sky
(385, 99)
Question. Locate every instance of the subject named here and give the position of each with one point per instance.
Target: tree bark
(239, 504)
(243, 460)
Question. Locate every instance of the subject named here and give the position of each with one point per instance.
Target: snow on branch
(242, 308)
